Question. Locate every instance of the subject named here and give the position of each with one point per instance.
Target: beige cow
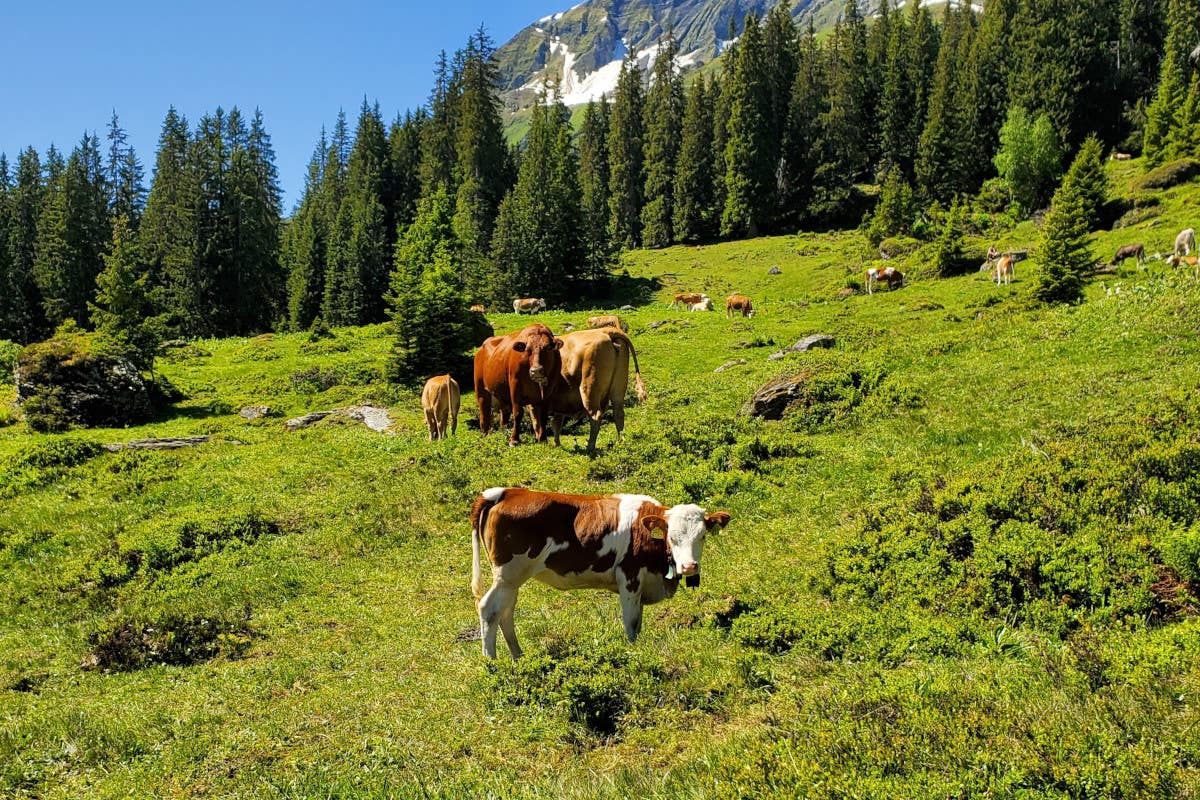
(440, 399)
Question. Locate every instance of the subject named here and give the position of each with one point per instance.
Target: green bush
(8, 359)
(1168, 175)
(176, 639)
(45, 462)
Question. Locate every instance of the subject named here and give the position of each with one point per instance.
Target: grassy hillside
(968, 567)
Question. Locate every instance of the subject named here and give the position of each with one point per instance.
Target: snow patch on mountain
(577, 90)
(561, 14)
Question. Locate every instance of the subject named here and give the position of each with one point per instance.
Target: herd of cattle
(1181, 253)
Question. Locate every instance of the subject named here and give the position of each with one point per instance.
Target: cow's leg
(495, 613)
(631, 614)
(483, 398)
(517, 411)
(454, 420)
(430, 423)
(594, 420)
(556, 423)
(537, 415)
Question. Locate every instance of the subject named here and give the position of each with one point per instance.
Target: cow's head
(684, 528)
(540, 347)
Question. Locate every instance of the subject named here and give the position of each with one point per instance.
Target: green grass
(839, 647)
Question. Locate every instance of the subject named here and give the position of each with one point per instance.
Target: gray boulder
(822, 340)
(774, 400)
(67, 380)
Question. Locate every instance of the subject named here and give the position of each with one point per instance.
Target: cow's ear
(718, 519)
(519, 347)
(655, 525)
(558, 343)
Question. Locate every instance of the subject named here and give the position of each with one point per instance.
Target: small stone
(255, 412)
(774, 271)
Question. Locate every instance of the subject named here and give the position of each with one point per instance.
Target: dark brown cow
(738, 302)
(1129, 251)
(595, 371)
(518, 370)
(628, 544)
(688, 299)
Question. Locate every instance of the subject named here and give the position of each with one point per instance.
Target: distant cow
(478, 308)
(440, 400)
(703, 305)
(608, 321)
(518, 370)
(1120, 156)
(1187, 261)
(529, 305)
(1006, 270)
(740, 303)
(628, 544)
(688, 299)
(595, 372)
(889, 275)
(1129, 251)
(1185, 242)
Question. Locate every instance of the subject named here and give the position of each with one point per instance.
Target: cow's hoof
(512, 444)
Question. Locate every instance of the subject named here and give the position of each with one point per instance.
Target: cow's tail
(639, 385)
(479, 514)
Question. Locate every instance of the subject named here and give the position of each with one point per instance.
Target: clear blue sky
(65, 66)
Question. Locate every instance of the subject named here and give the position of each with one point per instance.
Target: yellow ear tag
(657, 533)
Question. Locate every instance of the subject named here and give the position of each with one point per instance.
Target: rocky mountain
(582, 47)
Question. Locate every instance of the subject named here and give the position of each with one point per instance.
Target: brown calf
(628, 544)
(518, 370)
(688, 299)
(440, 399)
(738, 302)
(1129, 251)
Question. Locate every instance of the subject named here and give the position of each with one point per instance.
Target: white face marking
(685, 532)
(494, 494)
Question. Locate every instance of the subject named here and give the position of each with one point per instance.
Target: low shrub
(1168, 175)
(8, 359)
(181, 639)
(897, 246)
(45, 462)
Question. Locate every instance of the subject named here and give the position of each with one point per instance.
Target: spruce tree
(1165, 129)
(663, 122)
(1063, 253)
(848, 121)
(1089, 180)
(942, 162)
(168, 236)
(439, 133)
(10, 296)
(625, 157)
(897, 97)
(25, 203)
(126, 187)
(749, 155)
(403, 185)
(804, 141)
(949, 250)
(594, 176)
(695, 197)
(303, 248)
(896, 210)
(123, 309)
(256, 292)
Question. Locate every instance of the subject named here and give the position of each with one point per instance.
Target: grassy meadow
(967, 567)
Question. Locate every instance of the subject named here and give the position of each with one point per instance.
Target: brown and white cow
(595, 372)
(518, 370)
(688, 299)
(608, 321)
(889, 275)
(629, 544)
(529, 305)
(440, 400)
(738, 302)
(704, 304)
(1120, 156)
(1137, 251)
(1006, 269)
(1185, 242)
(1187, 261)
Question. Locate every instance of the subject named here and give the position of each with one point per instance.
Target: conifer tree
(663, 122)
(924, 42)
(984, 91)
(625, 157)
(480, 172)
(168, 236)
(749, 156)
(1166, 132)
(942, 164)
(804, 141)
(255, 293)
(897, 98)
(123, 309)
(780, 49)
(439, 133)
(594, 176)
(25, 202)
(949, 250)
(126, 187)
(896, 211)
(848, 120)
(695, 217)
(1063, 253)
(402, 187)
(1089, 180)
(721, 99)
(10, 296)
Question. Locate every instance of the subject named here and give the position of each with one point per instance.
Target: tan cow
(529, 305)
(740, 303)
(628, 544)
(595, 372)
(1185, 242)
(608, 321)
(440, 399)
(477, 308)
(688, 299)
(1006, 269)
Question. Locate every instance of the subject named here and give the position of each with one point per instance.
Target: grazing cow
(1185, 242)
(889, 275)
(628, 544)
(738, 302)
(440, 399)
(1187, 261)
(529, 305)
(477, 308)
(1120, 156)
(688, 299)
(1129, 251)
(595, 372)
(608, 321)
(1006, 270)
(518, 370)
(703, 305)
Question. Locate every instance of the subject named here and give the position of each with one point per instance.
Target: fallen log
(164, 444)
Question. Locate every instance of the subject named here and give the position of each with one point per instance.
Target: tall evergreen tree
(1089, 180)
(255, 294)
(123, 309)
(749, 156)
(25, 203)
(942, 164)
(168, 236)
(1167, 133)
(897, 97)
(126, 187)
(625, 157)
(593, 185)
(848, 120)
(663, 123)
(1063, 253)
(10, 296)
(439, 133)
(303, 248)
(695, 196)
(402, 188)
(804, 141)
